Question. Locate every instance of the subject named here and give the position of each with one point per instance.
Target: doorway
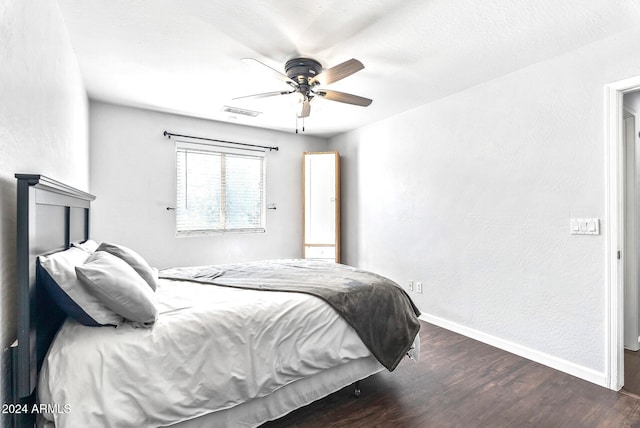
(615, 214)
(631, 333)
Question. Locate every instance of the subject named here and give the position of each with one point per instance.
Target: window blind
(219, 189)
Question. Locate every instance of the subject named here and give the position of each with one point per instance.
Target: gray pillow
(119, 287)
(135, 260)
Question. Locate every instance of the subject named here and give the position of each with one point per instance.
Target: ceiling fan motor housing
(302, 69)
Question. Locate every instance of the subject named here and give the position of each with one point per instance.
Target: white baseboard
(590, 375)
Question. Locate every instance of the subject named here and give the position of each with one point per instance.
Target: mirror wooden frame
(321, 250)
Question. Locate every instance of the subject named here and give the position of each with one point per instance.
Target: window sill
(201, 233)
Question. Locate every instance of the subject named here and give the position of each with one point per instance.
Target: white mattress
(211, 349)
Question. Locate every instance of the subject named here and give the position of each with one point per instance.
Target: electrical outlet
(418, 287)
(410, 285)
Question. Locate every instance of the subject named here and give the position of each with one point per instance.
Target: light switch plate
(585, 226)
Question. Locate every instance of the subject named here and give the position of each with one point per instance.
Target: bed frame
(50, 217)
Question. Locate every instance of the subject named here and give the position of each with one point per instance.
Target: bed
(267, 351)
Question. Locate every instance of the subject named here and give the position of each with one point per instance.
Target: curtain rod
(170, 134)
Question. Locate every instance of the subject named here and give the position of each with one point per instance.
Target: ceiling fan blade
(265, 95)
(343, 97)
(275, 73)
(338, 72)
(305, 109)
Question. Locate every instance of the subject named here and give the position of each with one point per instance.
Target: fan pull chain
(297, 117)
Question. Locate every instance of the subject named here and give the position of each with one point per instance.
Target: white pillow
(135, 260)
(57, 274)
(119, 287)
(89, 245)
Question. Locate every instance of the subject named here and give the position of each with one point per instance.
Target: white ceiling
(184, 56)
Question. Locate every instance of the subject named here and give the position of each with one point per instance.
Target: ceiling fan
(304, 75)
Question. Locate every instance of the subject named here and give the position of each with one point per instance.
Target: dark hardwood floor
(632, 372)
(460, 382)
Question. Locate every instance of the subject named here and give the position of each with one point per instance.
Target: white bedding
(211, 348)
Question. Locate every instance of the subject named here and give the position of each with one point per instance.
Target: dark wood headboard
(51, 216)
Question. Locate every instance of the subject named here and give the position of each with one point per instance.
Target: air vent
(236, 110)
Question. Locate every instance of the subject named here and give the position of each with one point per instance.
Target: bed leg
(24, 418)
(356, 390)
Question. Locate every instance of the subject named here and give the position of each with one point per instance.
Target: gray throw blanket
(377, 308)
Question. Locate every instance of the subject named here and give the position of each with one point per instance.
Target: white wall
(472, 195)
(133, 178)
(43, 128)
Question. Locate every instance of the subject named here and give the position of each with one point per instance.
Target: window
(219, 189)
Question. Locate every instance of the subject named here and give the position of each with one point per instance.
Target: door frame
(614, 229)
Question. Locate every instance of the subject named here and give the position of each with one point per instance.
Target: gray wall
(472, 195)
(43, 128)
(133, 178)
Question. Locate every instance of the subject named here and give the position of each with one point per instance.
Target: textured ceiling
(184, 56)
